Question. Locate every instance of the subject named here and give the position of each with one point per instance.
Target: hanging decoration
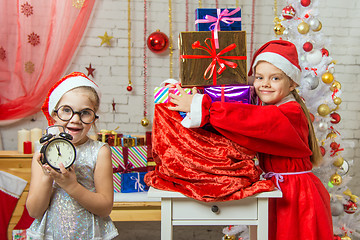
(129, 88)
(158, 42)
(78, 3)
(145, 122)
(90, 70)
(105, 39)
(171, 49)
(288, 12)
(27, 9)
(113, 104)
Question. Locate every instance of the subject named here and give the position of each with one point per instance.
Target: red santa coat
(280, 135)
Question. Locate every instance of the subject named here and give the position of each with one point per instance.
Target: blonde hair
(316, 157)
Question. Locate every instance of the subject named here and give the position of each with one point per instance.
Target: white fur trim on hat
(280, 62)
(67, 85)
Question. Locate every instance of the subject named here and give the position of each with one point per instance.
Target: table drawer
(184, 209)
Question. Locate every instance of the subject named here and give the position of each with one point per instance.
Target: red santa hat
(282, 54)
(67, 83)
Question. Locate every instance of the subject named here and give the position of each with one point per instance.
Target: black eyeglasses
(86, 115)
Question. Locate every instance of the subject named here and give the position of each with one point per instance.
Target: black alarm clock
(57, 149)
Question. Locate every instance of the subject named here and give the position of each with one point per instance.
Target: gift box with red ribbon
(132, 159)
(201, 64)
(232, 93)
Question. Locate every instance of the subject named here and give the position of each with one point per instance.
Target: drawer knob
(215, 209)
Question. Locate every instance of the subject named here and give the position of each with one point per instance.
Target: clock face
(60, 151)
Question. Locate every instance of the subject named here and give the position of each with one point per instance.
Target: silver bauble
(314, 57)
(311, 82)
(336, 208)
(314, 23)
(323, 126)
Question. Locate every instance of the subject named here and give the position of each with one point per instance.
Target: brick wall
(340, 24)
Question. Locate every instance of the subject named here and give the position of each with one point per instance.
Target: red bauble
(158, 42)
(129, 88)
(324, 52)
(305, 3)
(336, 237)
(335, 118)
(288, 12)
(322, 150)
(312, 117)
(307, 46)
(334, 145)
(350, 207)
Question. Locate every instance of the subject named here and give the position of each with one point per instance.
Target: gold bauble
(145, 122)
(331, 135)
(323, 110)
(303, 28)
(337, 101)
(327, 78)
(318, 28)
(335, 85)
(279, 29)
(227, 237)
(336, 179)
(338, 162)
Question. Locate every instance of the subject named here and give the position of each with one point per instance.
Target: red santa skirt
(201, 164)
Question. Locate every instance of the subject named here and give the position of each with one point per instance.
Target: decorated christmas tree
(299, 22)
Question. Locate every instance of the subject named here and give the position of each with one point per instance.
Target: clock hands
(58, 149)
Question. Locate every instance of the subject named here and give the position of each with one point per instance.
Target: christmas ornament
(336, 179)
(322, 150)
(319, 28)
(158, 42)
(303, 28)
(311, 82)
(335, 118)
(335, 85)
(336, 237)
(331, 69)
(90, 70)
(331, 135)
(145, 122)
(350, 207)
(337, 101)
(323, 110)
(337, 207)
(312, 117)
(327, 78)
(171, 49)
(129, 88)
(314, 57)
(307, 46)
(314, 23)
(338, 162)
(325, 52)
(279, 29)
(288, 12)
(334, 145)
(113, 104)
(346, 237)
(344, 169)
(228, 237)
(305, 3)
(353, 197)
(145, 60)
(323, 126)
(105, 39)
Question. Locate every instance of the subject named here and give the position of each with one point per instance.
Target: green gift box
(201, 64)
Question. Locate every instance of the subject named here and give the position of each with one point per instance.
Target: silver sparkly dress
(65, 218)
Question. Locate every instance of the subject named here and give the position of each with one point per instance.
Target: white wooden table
(177, 210)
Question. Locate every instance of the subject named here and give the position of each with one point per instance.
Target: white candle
(23, 136)
(35, 135)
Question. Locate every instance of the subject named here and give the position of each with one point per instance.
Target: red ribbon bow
(313, 69)
(216, 58)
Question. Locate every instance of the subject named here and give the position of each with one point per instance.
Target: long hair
(316, 157)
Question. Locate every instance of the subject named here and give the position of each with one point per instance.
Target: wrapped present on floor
(208, 19)
(110, 137)
(201, 64)
(161, 94)
(130, 159)
(133, 182)
(117, 181)
(232, 93)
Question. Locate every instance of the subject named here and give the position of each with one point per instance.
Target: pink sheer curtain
(37, 42)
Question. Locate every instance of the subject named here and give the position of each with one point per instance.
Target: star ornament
(90, 70)
(105, 39)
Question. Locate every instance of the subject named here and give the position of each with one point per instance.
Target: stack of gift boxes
(213, 58)
(131, 160)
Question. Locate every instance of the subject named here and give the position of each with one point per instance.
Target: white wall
(340, 23)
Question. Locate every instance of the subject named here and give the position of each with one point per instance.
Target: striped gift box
(161, 94)
(117, 182)
(136, 155)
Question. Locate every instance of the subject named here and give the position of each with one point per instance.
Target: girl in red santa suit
(280, 130)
